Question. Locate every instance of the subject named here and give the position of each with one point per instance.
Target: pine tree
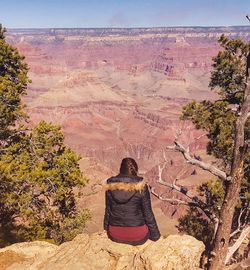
(38, 172)
(227, 124)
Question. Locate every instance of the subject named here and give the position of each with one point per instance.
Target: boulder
(96, 251)
(25, 255)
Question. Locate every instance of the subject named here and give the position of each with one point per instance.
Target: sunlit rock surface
(96, 251)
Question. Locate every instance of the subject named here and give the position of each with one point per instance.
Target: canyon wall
(118, 93)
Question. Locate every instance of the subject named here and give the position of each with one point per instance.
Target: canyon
(118, 93)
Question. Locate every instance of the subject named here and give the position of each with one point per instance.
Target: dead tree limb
(239, 227)
(172, 185)
(205, 166)
(193, 200)
(172, 201)
(244, 233)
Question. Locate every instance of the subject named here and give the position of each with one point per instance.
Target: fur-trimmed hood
(123, 188)
(138, 186)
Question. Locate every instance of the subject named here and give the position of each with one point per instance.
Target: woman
(128, 214)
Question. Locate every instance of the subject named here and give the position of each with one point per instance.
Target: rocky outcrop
(27, 255)
(96, 251)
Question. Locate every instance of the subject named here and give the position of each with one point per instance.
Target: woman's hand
(155, 239)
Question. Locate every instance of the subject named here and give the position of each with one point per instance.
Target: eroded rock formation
(118, 93)
(97, 252)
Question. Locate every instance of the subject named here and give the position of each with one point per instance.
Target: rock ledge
(96, 251)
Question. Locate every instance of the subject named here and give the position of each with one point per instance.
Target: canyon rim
(119, 92)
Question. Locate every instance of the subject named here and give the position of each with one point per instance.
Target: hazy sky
(122, 13)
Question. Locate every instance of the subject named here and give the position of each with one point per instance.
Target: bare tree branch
(205, 166)
(239, 223)
(173, 185)
(170, 200)
(216, 225)
(195, 201)
(245, 232)
(196, 139)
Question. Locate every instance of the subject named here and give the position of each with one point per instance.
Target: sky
(122, 13)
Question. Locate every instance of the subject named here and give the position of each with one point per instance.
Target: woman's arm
(149, 215)
(107, 212)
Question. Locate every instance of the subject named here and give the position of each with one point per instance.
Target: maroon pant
(129, 235)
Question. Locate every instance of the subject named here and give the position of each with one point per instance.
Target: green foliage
(195, 222)
(213, 193)
(218, 119)
(74, 225)
(229, 72)
(52, 230)
(13, 85)
(38, 172)
(2, 31)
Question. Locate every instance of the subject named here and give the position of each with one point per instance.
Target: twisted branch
(194, 200)
(244, 233)
(205, 166)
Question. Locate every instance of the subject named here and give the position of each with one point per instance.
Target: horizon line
(140, 27)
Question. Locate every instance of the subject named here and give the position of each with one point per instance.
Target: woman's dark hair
(128, 167)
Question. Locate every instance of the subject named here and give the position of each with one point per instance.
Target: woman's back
(125, 199)
(128, 212)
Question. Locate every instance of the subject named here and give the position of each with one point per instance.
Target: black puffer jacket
(128, 204)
